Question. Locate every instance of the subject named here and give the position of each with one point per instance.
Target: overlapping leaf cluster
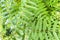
(30, 19)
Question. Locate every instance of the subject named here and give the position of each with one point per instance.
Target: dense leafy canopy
(30, 19)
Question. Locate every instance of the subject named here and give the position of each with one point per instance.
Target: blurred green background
(29, 19)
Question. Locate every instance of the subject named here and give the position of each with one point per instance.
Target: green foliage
(30, 19)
